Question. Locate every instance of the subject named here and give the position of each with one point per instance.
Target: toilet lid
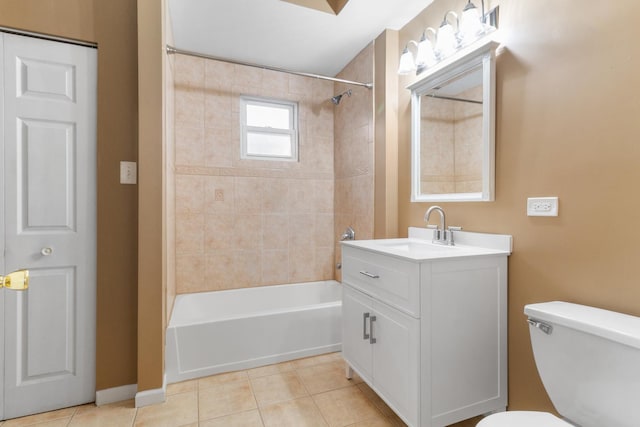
(522, 419)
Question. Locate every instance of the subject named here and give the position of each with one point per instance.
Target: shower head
(336, 99)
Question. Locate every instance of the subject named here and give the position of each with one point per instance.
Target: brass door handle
(17, 281)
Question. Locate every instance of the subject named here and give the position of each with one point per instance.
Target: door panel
(395, 359)
(355, 349)
(49, 224)
(46, 200)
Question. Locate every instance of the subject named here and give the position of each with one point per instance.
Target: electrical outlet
(219, 195)
(128, 173)
(542, 206)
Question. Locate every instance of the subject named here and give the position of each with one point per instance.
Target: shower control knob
(46, 251)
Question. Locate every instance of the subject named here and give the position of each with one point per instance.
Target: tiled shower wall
(242, 223)
(450, 154)
(354, 152)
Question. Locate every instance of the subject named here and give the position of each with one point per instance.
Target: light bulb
(470, 24)
(447, 41)
(407, 65)
(426, 55)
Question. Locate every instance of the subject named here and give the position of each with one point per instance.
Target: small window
(268, 129)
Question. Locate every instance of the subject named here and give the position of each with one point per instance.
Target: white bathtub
(223, 331)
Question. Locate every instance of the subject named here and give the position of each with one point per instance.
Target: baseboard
(152, 397)
(116, 394)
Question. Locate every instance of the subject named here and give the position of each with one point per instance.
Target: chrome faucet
(441, 234)
(349, 234)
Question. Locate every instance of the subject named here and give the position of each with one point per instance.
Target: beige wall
(112, 25)
(354, 151)
(73, 19)
(152, 201)
(567, 126)
(385, 117)
(239, 222)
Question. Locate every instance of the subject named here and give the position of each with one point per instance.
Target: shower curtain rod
(451, 98)
(173, 50)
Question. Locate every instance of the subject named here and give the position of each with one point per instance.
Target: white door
(49, 174)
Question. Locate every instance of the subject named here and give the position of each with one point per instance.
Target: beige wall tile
(218, 74)
(248, 195)
(189, 71)
(247, 269)
(275, 267)
(302, 196)
(264, 198)
(190, 273)
(219, 194)
(189, 107)
(219, 272)
(248, 77)
(217, 109)
(189, 146)
(276, 232)
(301, 264)
(323, 233)
(247, 232)
(189, 194)
(275, 196)
(219, 232)
(218, 147)
(189, 233)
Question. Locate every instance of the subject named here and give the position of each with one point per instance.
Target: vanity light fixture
(407, 64)
(472, 25)
(447, 39)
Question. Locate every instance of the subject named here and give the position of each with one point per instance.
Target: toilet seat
(523, 419)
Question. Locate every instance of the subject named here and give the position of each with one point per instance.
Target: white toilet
(589, 362)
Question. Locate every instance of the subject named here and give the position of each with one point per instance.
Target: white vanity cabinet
(425, 326)
(382, 346)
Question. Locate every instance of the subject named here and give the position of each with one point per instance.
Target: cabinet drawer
(392, 280)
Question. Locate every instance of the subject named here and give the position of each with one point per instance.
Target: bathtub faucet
(440, 234)
(349, 234)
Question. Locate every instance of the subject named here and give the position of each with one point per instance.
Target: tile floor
(303, 392)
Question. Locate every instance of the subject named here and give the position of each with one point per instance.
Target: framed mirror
(453, 128)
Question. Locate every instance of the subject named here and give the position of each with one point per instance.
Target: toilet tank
(589, 362)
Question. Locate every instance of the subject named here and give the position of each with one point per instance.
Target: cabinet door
(356, 312)
(395, 360)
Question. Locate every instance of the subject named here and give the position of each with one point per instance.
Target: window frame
(245, 129)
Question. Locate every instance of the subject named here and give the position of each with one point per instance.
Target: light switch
(128, 173)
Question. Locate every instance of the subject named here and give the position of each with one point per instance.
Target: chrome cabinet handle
(46, 251)
(372, 340)
(365, 335)
(371, 275)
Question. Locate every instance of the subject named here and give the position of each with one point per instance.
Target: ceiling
(286, 35)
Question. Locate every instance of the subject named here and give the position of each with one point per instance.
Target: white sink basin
(411, 245)
(419, 246)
